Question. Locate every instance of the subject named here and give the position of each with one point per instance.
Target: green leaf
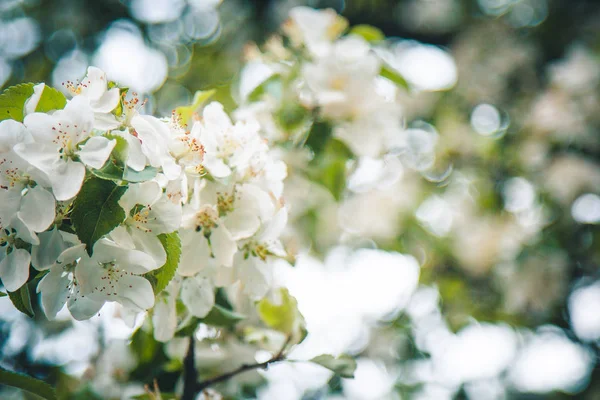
(283, 317)
(272, 85)
(146, 174)
(334, 178)
(368, 32)
(161, 277)
(394, 76)
(22, 301)
(12, 101)
(2, 294)
(318, 136)
(51, 99)
(220, 316)
(329, 167)
(200, 97)
(96, 210)
(28, 383)
(145, 347)
(109, 171)
(291, 116)
(120, 150)
(343, 365)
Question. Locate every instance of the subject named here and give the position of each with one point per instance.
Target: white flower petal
(135, 292)
(37, 209)
(198, 296)
(11, 133)
(242, 223)
(107, 102)
(55, 290)
(105, 121)
(40, 125)
(121, 236)
(151, 245)
(66, 179)
(276, 226)
(165, 217)
(10, 201)
(14, 269)
(94, 84)
(194, 254)
(133, 261)
(216, 166)
(42, 156)
(255, 276)
(96, 151)
(23, 232)
(79, 113)
(45, 254)
(145, 193)
(72, 254)
(32, 102)
(164, 318)
(223, 246)
(215, 118)
(170, 168)
(83, 307)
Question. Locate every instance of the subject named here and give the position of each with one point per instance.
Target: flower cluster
(325, 77)
(108, 204)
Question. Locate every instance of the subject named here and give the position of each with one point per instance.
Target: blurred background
(502, 214)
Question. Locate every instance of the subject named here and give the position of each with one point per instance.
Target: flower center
(225, 203)
(206, 220)
(63, 137)
(12, 176)
(228, 148)
(140, 216)
(131, 107)
(257, 250)
(112, 275)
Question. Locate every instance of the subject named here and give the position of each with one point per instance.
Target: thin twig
(280, 356)
(190, 374)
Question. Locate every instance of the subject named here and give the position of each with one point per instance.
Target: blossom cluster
(107, 204)
(325, 77)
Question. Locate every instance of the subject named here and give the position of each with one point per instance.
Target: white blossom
(62, 146)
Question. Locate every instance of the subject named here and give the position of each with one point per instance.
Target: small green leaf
(96, 210)
(12, 101)
(291, 115)
(2, 294)
(51, 99)
(28, 383)
(368, 32)
(283, 317)
(109, 171)
(22, 301)
(272, 85)
(220, 316)
(146, 174)
(318, 136)
(161, 277)
(334, 178)
(200, 97)
(120, 150)
(329, 167)
(394, 76)
(343, 365)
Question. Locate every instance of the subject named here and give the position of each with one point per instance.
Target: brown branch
(190, 374)
(280, 356)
